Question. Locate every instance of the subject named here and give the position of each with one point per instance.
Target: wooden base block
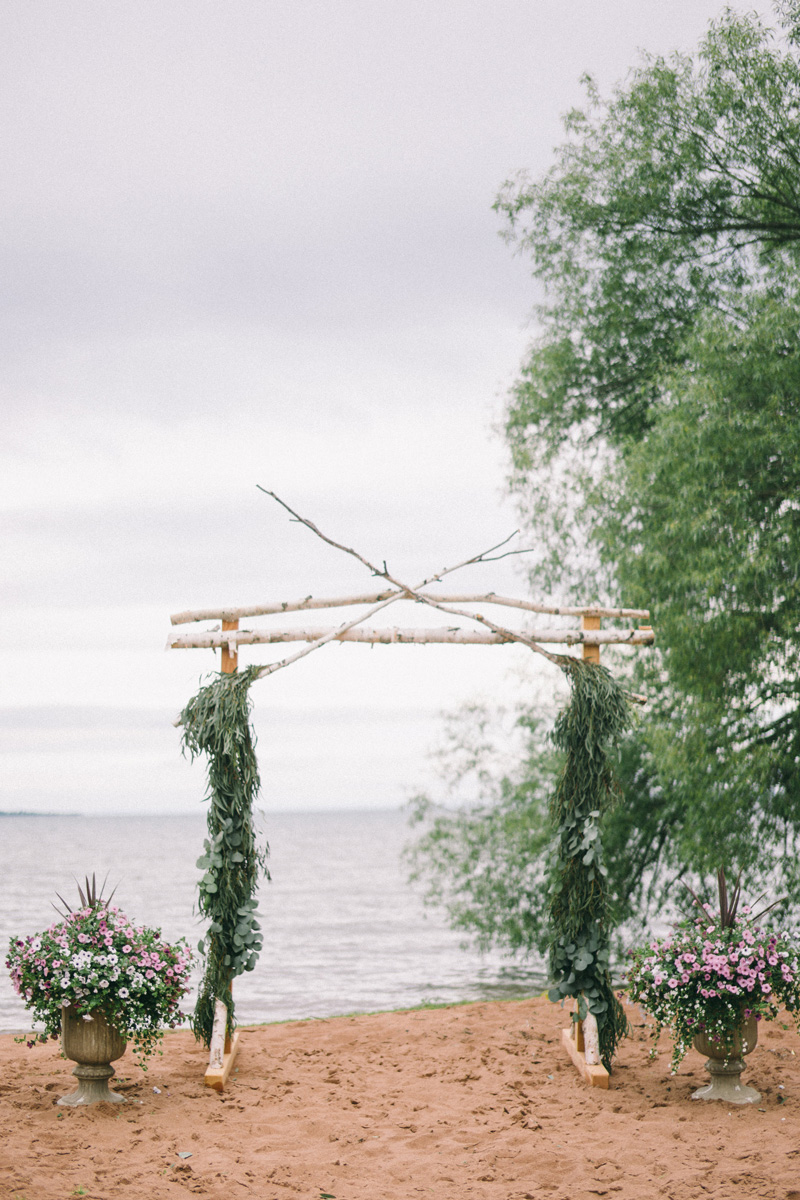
(595, 1076)
(217, 1077)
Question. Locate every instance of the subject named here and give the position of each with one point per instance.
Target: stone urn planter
(726, 1065)
(93, 1045)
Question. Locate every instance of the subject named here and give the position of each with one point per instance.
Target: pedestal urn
(725, 1065)
(93, 1045)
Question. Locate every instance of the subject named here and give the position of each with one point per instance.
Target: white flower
(124, 993)
(65, 981)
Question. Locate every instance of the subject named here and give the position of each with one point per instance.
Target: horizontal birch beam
(452, 636)
(313, 602)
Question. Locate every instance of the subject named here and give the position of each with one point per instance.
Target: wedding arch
(216, 723)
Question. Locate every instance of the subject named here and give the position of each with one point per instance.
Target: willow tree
(661, 402)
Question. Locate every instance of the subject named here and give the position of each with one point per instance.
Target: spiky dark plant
(90, 898)
(729, 902)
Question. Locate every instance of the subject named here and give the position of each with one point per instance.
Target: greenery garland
(216, 722)
(596, 716)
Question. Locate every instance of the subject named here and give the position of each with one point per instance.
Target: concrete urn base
(726, 1065)
(93, 1045)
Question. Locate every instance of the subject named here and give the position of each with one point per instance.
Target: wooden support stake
(595, 1074)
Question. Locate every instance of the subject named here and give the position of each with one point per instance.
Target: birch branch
(309, 603)
(214, 638)
(341, 630)
(402, 592)
(509, 635)
(384, 574)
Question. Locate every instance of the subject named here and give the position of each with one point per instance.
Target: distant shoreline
(25, 813)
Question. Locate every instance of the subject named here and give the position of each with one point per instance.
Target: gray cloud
(252, 241)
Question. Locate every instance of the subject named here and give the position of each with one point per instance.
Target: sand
(466, 1101)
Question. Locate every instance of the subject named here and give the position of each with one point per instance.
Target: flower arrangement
(715, 971)
(97, 959)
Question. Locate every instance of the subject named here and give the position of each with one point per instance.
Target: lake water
(344, 930)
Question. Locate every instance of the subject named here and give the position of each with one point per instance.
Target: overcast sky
(253, 243)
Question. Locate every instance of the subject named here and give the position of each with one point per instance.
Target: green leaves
(666, 202)
(586, 730)
(655, 436)
(217, 723)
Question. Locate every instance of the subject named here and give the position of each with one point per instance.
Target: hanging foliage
(595, 717)
(216, 722)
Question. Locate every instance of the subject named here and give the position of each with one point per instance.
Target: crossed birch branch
(402, 591)
(406, 592)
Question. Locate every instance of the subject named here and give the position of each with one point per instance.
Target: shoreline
(372, 1012)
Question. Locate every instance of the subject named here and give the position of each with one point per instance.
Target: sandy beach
(475, 1101)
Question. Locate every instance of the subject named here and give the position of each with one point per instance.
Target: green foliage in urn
(579, 911)
(216, 722)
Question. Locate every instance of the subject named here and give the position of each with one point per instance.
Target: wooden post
(590, 653)
(222, 1050)
(229, 662)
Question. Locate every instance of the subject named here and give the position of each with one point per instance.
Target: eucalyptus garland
(216, 722)
(595, 717)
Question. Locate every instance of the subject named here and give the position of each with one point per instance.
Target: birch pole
(221, 1046)
(590, 1033)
